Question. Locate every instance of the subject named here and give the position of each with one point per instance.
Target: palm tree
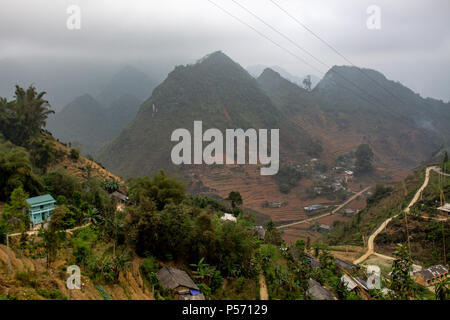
(92, 216)
(23, 118)
(203, 270)
(35, 107)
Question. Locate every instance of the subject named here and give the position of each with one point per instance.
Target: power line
(300, 47)
(332, 48)
(283, 35)
(267, 38)
(301, 59)
(337, 52)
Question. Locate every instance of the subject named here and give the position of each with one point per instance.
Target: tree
(235, 198)
(22, 118)
(16, 208)
(401, 282)
(300, 244)
(442, 289)
(273, 235)
(308, 243)
(74, 154)
(52, 234)
(203, 271)
(16, 171)
(42, 153)
(110, 185)
(307, 83)
(162, 190)
(364, 157)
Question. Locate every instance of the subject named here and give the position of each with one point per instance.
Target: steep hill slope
(348, 109)
(287, 96)
(87, 122)
(215, 90)
(83, 121)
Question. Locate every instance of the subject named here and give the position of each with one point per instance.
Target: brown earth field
(304, 230)
(255, 189)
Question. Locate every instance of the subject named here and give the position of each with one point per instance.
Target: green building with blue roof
(40, 209)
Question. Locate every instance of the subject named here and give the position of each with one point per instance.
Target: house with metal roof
(431, 275)
(40, 209)
(179, 281)
(120, 197)
(228, 217)
(317, 292)
(346, 265)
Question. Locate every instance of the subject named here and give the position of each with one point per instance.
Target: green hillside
(217, 91)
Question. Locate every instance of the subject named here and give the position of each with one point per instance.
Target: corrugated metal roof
(318, 292)
(40, 199)
(171, 278)
(433, 272)
(348, 281)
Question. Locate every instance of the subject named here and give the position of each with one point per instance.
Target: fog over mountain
(413, 44)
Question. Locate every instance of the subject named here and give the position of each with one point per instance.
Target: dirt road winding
(370, 245)
(328, 213)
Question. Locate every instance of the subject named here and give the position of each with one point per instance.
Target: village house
(275, 204)
(228, 217)
(355, 284)
(346, 266)
(313, 207)
(317, 292)
(322, 227)
(260, 232)
(337, 186)
(120, 197)
(297, 254)
(445, 209)
(431, 275)
(40, 209)
(179, 281)
(349, 212)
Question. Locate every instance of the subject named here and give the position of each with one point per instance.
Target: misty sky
(412, 46)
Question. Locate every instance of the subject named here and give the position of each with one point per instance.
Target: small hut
(179, 281)
(317, 292)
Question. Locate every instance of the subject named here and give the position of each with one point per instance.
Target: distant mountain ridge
(127, 81)
(217, 91)
(89, 123)
(345, 109)
(257, 70)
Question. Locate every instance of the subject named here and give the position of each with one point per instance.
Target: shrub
(51, 294)
(74, 154)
